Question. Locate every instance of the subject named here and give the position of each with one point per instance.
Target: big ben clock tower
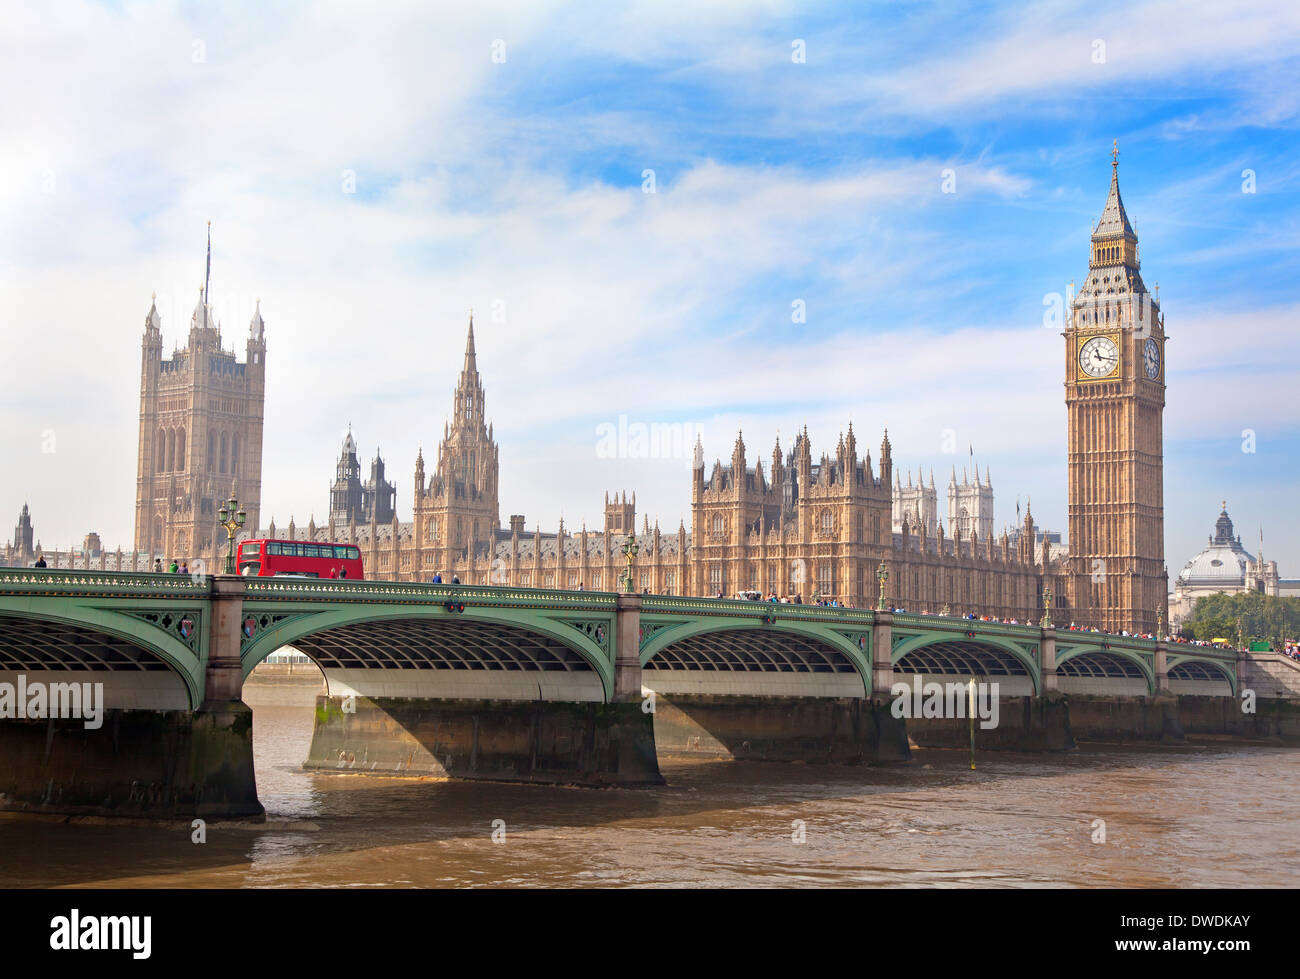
(1115, 394)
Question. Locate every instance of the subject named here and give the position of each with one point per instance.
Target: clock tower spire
(1115, 397)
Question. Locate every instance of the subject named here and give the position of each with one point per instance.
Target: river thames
(1203, 814)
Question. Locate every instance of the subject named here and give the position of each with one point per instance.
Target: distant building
(916, 506)
(970, 505)
(351, 500)
(1224, 566)
(24, 551)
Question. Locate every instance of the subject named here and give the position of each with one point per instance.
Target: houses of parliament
(793, 523)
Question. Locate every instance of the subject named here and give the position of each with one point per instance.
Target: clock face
(1151, 359)
(1099, 357)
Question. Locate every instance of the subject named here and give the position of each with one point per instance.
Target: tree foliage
(1254, 615)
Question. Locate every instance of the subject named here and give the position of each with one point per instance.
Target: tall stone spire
(471, 362)
(257, 326)
(152, 321)
(1114, 221)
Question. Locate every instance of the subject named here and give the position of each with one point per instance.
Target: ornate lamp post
(232, 519)
(882, 575)
(1047, 608)
(630, 551)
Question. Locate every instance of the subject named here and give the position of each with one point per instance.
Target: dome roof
(1217, 564)
(1223, 563)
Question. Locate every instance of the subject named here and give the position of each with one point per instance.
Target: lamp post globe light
(232, 517)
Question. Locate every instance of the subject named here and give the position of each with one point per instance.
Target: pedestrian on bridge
(40, 562)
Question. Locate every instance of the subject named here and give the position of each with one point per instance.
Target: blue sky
(515, 187)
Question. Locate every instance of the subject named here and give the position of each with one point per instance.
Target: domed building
(1225, 566)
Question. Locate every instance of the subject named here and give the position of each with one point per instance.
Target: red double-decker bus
(299, 559)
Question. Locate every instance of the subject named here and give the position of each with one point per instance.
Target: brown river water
(1208, 813)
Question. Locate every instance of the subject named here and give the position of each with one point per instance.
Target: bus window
(311, 550)
(354, 554)
(273, 549)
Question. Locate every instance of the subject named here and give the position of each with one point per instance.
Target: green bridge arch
(187, 663)
(299, 624)
(1145, 662)
(667, 632)
(1030, 661)
(1218, 665)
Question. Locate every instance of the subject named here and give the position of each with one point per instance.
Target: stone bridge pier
(773, 682)
(488, 698)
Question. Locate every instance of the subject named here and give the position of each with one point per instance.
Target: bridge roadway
(495, 682)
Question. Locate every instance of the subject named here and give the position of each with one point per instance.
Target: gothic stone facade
(201, 414)
(821, 530)
(1115, 397)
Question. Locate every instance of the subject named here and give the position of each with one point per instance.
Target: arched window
(222, 457)
(234, 453)
(171, 452)
(826, 523)
(160, 454)
(211, 461)
(180, 450)
(433, 528)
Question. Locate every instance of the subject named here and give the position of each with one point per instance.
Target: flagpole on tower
(207, 275)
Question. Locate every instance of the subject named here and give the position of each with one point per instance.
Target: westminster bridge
(550, 685)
